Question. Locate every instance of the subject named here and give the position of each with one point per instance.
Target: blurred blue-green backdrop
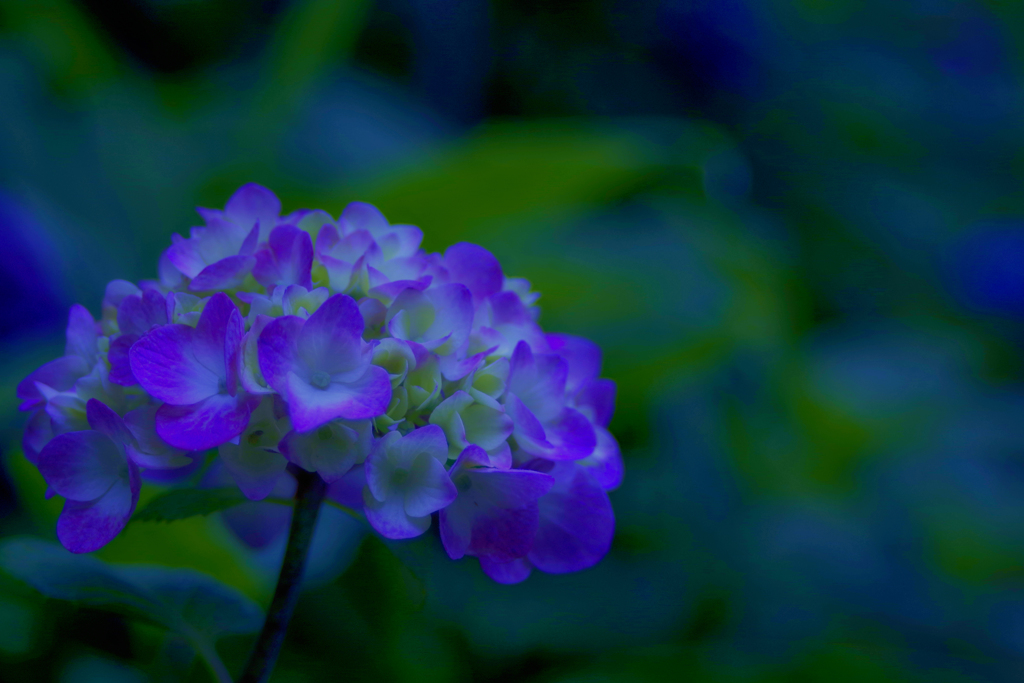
(796, 227)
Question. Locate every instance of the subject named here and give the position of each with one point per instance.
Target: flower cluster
(411, 383)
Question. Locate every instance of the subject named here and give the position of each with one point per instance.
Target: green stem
(308, 497)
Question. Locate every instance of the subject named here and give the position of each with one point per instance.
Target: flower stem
(308, 496)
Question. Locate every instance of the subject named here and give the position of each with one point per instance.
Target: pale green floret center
(463, 483)
(320, 379)
(399, 477)
(325, 433)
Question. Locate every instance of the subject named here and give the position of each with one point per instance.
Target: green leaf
(186, 602)
(191, 502)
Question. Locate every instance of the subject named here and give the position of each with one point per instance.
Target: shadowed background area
(796, 228)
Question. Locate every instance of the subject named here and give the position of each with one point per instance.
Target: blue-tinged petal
(516, 571)
(138, 314)
(331, 340)
(362, 216)
(227, 273)
(205, 424)
(81, 334)
(332, 449)
(427, 486)
(474, 267)
(576, 523)
(311, 406)
(582, 356)
(277, 351)
(81, 466)
(255, 470)
(165, 364)
(287, 259)
(390, 519)
(105, 421)
(59, 374)
(596, 400)
(120, 363)
(252, 204)
(348, 490)
(38, 433)
(149, 450)
(87, 526)
(605, 463)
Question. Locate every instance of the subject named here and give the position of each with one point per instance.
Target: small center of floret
(320, 379)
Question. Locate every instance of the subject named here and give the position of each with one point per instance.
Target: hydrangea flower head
(418, 386)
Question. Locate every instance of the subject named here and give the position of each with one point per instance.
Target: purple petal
(348, 490)
(605, 463)
(539, 381)
(509, 488)
(504, 534)
(390, 290)
(205, 424)
(456, 526)
(453, 306)
(38, 433)
(105, 421)
(226, 273)
(474, 267)
(255, 470)
(116, 292)
(331, 340)
(596, 399)
(571, 436)
(59, 374)
(331, 454)
(362, 216)
(87, 526)
(528, 430)
(495, 513)
(400, 241)
(252, 204)
(185, 256)
(428, 486)
(287, 260)
(582, 355)
(429, 439)
(120, 363)
(277, 351)
(138, 314)
(149, 449)
(81, 465)
(219, 324)
(257, 525)
(251, 241)
(576, 523)
(454, 368)
(251, 376)
(170, 276)
(516, 571)
(233, 351)
(81, 334)
(515, 323)
(311, 406)
(390, 519)
(165, 364)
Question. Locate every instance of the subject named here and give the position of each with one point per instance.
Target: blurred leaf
(191, 502)
(189, 603)
(382, 589)
(314, 36)
(507, 172)
(76, 55)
